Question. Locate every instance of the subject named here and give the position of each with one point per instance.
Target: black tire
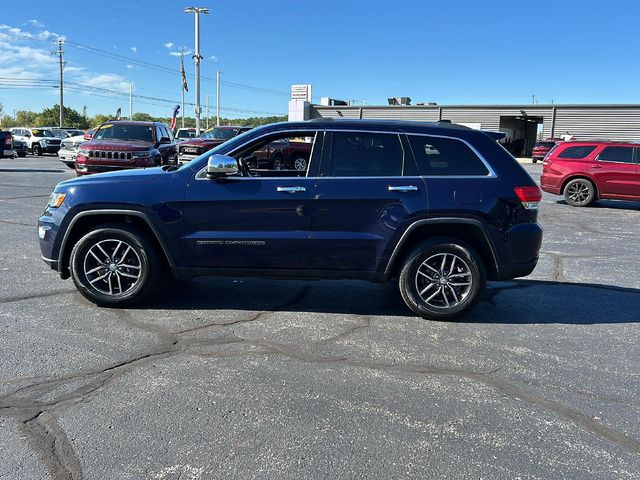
(277, 162)
(143, 254)
(36, 149)
(468, 268)
(71, 165)
(534, 160)
(22, 154)
(580, 192)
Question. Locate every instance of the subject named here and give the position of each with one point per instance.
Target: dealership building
(522, 123)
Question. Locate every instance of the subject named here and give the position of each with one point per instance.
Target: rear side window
(577, 152)
(359, 154)
(616, 154)
(445, 156)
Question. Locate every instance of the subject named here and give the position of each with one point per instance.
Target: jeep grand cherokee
(439, 207)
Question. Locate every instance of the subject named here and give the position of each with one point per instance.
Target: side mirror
(87, 136)
(165, 140)
(220, 166)
(28, 135)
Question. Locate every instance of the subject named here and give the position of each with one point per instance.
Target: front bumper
(50, 148)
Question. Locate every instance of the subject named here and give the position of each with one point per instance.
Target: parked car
(38, 140)
(20, 148)
(190, 149)
(6, 144)
(588, 171)
(122, 144)
(541, 148)
(184, 134)
(285, 154)
(438, 206)
(69, 147)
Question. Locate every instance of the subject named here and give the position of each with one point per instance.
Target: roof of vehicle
(131, 122)
(600, 142)
(226, 127)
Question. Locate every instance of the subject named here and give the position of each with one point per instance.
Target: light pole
(197, 57)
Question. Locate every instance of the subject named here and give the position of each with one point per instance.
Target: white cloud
(34, 57)
(134, 49)
(213, 58)
(35, 23)
(9, 32)
(129, 66)
(187, 53)
(112, 81)
(168, 45)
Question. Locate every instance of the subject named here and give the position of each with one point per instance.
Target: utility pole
(197, 57)
(130, 101)
(206, 109)
(61, 65)
(218, 73)
(182, 70)
(533, 99)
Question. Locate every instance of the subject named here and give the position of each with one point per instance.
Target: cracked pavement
(246, 378)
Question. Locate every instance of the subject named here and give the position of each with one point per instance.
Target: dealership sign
(301, 92)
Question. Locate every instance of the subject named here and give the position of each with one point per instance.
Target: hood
(119, 176)
(115, 144)
(199, 142)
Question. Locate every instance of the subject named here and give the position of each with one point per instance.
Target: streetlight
(197, 57)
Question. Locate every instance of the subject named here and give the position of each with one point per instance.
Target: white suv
(38, 140)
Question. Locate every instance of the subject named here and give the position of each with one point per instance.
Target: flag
(182, 72)
(118, 113)
(175, 115)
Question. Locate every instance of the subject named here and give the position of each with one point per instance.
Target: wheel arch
(468, 231)
(576, 177)
(85, 221)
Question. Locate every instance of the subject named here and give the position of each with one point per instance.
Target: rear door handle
(291, 189)
(403, 188)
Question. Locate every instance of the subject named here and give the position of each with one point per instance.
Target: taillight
(8, 140)
(529, 196)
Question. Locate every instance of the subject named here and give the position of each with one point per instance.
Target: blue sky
(458, 52)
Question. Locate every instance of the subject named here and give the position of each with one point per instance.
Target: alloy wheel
(300, 163)
(578, 192)
(444, 280)
(112, 267)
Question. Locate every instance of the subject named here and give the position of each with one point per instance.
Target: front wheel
(115, 266)
(442, 279)
(579, 192)
(300, 164)
(36, 149)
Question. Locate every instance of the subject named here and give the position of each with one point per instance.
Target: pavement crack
(52, 293)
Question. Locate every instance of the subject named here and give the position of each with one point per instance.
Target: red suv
(587, 171)
(541, 148)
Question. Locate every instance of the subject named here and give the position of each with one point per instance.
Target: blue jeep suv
(437, 206)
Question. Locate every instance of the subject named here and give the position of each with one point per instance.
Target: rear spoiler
(495, 135)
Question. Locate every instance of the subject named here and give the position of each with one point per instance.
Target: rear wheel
(115, 266)
(442, 279)
(277, 163)
(22, 154)
(579, 192)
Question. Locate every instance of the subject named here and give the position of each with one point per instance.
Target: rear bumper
(519, 252)
(551, 184)
(7, 153)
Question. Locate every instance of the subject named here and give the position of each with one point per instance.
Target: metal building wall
(614, 122)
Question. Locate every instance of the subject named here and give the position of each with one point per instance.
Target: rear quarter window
(577, 152)
(437, 156)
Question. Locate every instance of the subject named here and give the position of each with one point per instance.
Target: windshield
(142, 133)
(41, 133)
(220, 133)
(186, 134)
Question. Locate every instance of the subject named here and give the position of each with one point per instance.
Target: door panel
(615, 172)
(245, 222)
(361, 200)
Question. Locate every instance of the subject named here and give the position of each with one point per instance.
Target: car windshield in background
(142, 133)
(186, 134)
(42, 133)
(220, 134)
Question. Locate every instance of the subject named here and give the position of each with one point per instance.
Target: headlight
(56, 199)
(139, 154)
(45, 141)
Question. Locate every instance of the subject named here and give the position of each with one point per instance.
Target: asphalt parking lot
(239, 378)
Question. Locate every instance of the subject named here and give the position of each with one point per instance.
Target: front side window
(359, 154)
(445, 157)
(616, 154)
(577, 152)
(109, 131)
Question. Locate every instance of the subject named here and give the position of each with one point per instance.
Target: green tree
(98, 120)
(25, 118)
(51, 117)
(142, 117)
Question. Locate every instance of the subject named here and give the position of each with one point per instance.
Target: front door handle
(403, 188)
(596, 166)
(291, 189)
